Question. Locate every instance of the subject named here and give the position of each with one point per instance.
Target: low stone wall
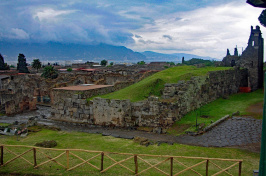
(177, 100)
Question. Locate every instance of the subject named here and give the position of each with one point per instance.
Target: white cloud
(16, 33)
(49, 14)
(206, 31)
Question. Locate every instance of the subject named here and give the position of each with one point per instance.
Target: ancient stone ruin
(20, 92)
(251, 58)
(22, 65)
(177, 99)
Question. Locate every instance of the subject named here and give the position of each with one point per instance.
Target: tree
(3, 65)
(111, 63)
(36, 64)
(171, 63)
(141, 63)
(22, 65)
(49, 72)
(104, 62)
(69, 69)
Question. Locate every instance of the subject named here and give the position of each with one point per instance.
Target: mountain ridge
(56, 51)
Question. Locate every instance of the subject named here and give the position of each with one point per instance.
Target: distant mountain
(58, 51)
(53, 51)
(176, 57)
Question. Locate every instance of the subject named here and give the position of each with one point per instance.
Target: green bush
(49, 72)
(47, 144)
(141, 63)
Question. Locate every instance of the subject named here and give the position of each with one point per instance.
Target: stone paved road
(232, 132)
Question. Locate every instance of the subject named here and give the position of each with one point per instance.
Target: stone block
(87, 112)
(74, 110)
(76, 115)
(68, 100)
(60, 107)
(83, 101)
(75, 97)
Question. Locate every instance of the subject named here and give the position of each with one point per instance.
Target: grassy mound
(153, 85)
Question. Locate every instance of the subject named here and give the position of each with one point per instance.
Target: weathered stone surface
(177, 100)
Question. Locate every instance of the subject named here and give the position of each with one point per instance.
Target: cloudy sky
(201, 27)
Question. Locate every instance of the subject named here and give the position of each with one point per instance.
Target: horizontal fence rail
(135, 164)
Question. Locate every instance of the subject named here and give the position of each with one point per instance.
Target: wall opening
(233, 63)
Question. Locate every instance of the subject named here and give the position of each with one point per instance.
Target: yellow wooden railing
(134, 159)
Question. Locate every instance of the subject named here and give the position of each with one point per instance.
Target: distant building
(68, 63)
(159, 64)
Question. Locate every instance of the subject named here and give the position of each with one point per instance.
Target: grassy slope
(221, 107)
(97, 142)
(155, 83)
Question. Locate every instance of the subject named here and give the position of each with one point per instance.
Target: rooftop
(83, 87)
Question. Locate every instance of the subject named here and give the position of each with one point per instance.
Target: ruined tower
(228, 52)
(252, 58)
(236, 51)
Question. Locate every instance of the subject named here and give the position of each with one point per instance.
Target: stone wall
(17, 93)
(177, 100)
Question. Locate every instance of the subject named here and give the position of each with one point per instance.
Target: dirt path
(256, 110)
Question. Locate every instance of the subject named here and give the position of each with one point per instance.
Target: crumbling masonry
(251, 59)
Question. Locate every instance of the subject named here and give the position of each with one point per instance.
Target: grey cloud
(168, 37)
(138, 36)
(148, 42)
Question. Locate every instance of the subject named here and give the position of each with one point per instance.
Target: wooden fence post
(240, 165)
(2, 155)
(207, 167)
(67, 155)
(171, 166)
(34, 157)
(102, 156)
(136, 164)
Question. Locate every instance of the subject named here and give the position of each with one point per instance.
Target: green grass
(153, 85)
(221, 107)
(4, 124)
(78, 140)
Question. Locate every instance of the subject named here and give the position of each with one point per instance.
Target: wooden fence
(70, 159)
